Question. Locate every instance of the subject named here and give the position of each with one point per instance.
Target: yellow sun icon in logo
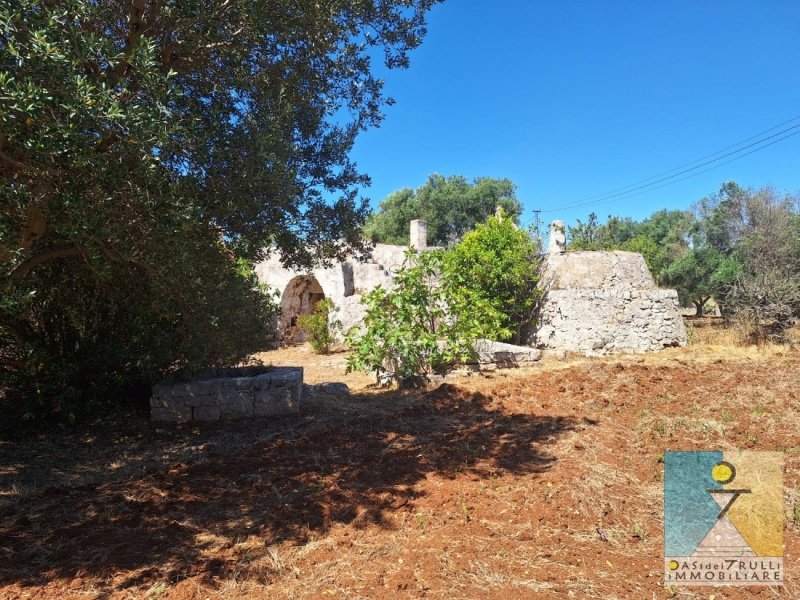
(673, 565)
(723, 472)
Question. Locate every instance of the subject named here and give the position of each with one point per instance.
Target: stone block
(197, 400)
(207, 387)
(230, 395)
(232, 408)
(275, 401)
(235, 390)
(161, 391)
(334, 388)
(159, 401)
(239, 383)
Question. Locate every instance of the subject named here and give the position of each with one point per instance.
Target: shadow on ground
(348, 461)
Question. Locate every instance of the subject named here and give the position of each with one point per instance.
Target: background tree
(587, 236)
(661, 238)
(758, 229)
(701, 274)
(149, 152)
(452, 206)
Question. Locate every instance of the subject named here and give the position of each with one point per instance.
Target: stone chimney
(558, 238)
(419, 234)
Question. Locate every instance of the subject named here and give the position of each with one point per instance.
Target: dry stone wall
(605, 303)
(229, 395)
(594, 322)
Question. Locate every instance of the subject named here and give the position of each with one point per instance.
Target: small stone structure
(558, 238)
(230, 393)
(604, 303)
(418, 234)
(489, 355)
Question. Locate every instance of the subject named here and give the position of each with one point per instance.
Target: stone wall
(605, 303)
(595, 322)
(233, 393)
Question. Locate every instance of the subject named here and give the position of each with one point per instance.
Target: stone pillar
(558, 238)
(419, 234)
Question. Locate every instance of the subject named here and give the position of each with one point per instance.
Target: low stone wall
(229, 394)
(489, 355)
(596, 321)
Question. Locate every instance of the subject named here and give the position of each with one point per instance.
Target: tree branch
(34, 261)
(135, 22)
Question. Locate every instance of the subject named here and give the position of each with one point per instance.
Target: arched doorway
(299, 298)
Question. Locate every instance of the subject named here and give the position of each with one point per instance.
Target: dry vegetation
(537, 483)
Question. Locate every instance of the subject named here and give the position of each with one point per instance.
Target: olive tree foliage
(661, 238)
(758, 230)
(150, 151)
(701, 274)
(452, 206)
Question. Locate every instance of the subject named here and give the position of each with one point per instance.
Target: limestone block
(159, 401)
(334, 388)
(236, 407)
(203, 399)
(274, 392)
(240, 383)
(491, 354)
(278, 400)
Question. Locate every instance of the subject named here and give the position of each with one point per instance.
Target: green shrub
(498, 263)
(422, 325)
(319, 326)
(78, 337)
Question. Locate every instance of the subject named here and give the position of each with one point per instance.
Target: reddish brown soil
(542, 483)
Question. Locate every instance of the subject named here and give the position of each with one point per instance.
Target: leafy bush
(76, 338)
(498, 263)
(319, 326)
(422, 325)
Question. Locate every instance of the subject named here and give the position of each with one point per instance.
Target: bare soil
(537, 483)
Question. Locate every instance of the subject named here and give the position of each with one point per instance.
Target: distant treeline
(739, 246)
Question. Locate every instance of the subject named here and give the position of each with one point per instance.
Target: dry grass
(714, 332)
(537, 483)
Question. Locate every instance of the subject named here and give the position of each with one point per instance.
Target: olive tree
(150, 150)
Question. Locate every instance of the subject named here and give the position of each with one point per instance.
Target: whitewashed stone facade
(344, 283)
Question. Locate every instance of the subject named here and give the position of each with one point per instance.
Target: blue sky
(571, 100)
